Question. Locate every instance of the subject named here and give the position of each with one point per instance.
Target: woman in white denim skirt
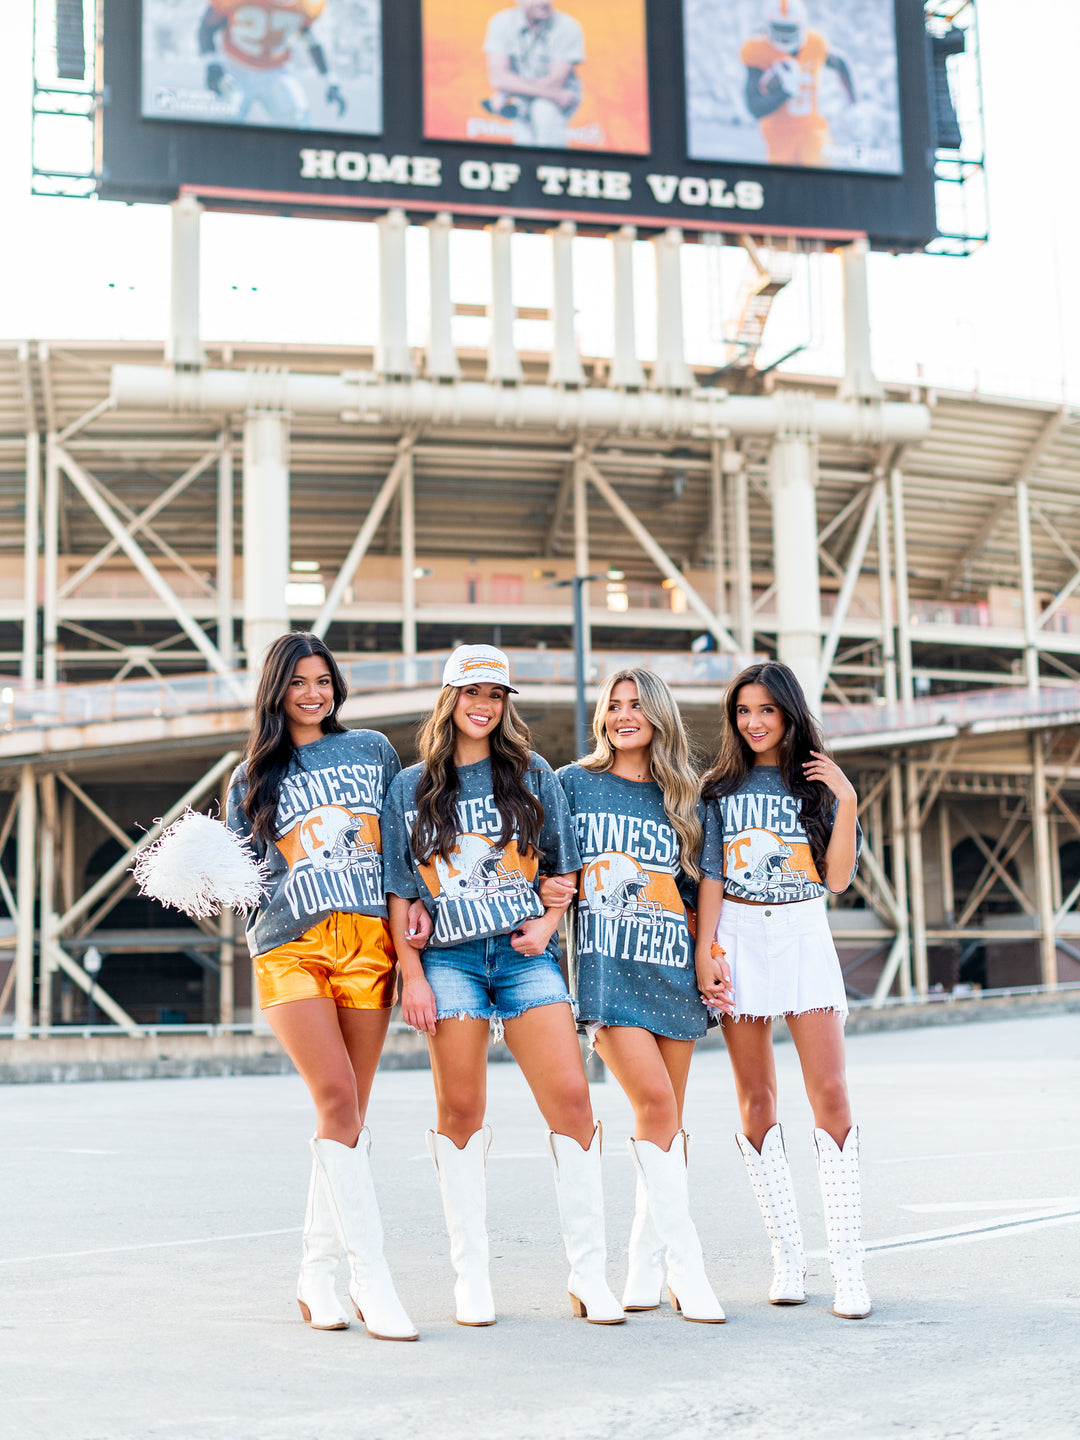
(781, 828)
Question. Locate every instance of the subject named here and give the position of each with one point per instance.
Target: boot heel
(674, 1301)
(578, 1308)
(304, 1311)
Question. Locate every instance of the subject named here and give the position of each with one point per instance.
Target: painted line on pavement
(149, 1245)
(964, 1235)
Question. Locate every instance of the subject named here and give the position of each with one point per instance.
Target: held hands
(418, 1005)
(532, 938)
(830, 775)
(419, 928)
(556, 892)
(714, 979)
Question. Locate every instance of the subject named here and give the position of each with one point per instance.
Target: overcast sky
(1006, 320)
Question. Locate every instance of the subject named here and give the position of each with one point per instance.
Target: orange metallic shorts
(345, 958)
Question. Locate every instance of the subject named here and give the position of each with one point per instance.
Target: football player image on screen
(532, 52)
(248, 46)
(783, 63)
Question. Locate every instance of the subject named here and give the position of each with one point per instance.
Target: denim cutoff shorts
(489, 980)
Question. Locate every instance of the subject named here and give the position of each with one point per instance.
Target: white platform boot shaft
(463, 1185)
(580, 1194)
(838, 1171)
(771, 1179)
(645, 1277)
(315, 1289)
(347, 1175)
(664, 1175)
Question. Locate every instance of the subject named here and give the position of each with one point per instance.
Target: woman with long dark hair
(309, 796)
(781, 829)
(635, 805)
(468, 830)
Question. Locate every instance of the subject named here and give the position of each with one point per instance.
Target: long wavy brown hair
(436, 828)
(802, 733)
(669, 757)
(270, 747)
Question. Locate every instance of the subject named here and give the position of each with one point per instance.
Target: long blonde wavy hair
(672, 767)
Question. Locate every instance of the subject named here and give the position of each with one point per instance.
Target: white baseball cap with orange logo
(478, 665)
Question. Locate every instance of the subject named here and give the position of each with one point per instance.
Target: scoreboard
(804, 117)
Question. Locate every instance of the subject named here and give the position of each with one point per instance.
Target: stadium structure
(913, 553)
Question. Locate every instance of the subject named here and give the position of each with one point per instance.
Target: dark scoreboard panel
(704, 114)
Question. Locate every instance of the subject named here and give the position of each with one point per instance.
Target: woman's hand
(418, 1005)
(714, 978)
(829, 774)
(532, 937)
(418, 929)
(556, 891)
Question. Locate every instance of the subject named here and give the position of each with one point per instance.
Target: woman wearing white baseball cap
(468, 830)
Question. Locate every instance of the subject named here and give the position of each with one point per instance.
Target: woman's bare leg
(311, 1035)
(643, 1064)
(544, 1042)
(750, 1050)
(819, 1039)
(459, 1069)
(364, 1032)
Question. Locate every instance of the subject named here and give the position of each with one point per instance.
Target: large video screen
(571, 75)
(805, 83)
(286, 64)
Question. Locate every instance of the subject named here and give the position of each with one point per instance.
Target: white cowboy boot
(664, 1174)
(347, 1175)
(463, 1183)
(771, 1179)
(645, 1278)
(838, 1171)
(315, 1291)
(580, 1195)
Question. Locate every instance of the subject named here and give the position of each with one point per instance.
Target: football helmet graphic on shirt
(332, 839)
(476, 869)
(756, 859)
(614, 886)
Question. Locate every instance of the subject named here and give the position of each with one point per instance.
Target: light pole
(581, 719)
(92, 959)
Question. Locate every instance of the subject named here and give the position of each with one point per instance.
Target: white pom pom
(197, 865)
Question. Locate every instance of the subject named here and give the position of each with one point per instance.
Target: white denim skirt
(782, 958)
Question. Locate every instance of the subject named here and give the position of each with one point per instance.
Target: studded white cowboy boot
(645, 1278)
(771, 1179)
(315, 1291)
(664, 1176)
(347, 1175)
(580, 1195)
(463, 1184)
(838, 1171)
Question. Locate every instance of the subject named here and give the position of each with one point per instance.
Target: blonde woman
(468, 829)
(634, 802)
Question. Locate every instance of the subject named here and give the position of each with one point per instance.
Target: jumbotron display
(803, 116)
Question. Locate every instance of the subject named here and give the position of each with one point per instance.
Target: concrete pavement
(151, 1231)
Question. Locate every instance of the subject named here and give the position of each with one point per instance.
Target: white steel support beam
(28, 666)
(859, 382)
(565, 367)
(225, 547)
(1040, 833)
(504, 366)
(793, 482)
(626, 372)
(671, 371)
(25, 885)
(266, 531)
(867, 521)
(50, 628)
(716, 524)
(393, 358)
(948, 888)
(364, 537)
(659, 557)
(85, 485)
(47, 897)
(408, 555)
(919, 958)
(1027, 586)
(183, 347)
(442, 361)
(898, 963)
(744, 585)
(900, 570)
(579, 482)
(885, 599)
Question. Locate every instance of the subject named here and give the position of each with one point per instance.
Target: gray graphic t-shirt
(634, 947)
(327, 855)
(756, 845)
(483, 888)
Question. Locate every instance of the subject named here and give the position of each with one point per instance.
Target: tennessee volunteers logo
(614, 885)
(477, 868)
